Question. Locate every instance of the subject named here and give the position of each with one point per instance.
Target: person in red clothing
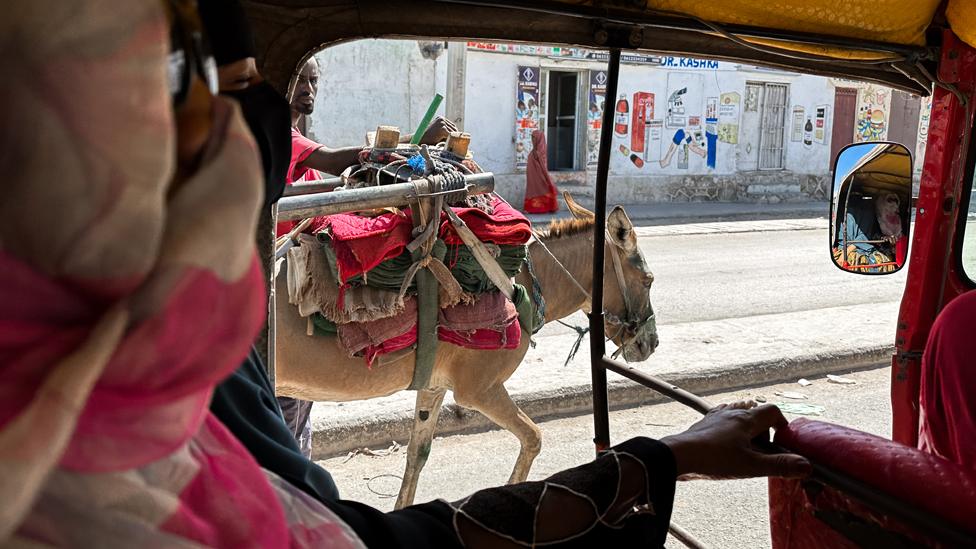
(947, 415)
(307, 155)
(540, 192)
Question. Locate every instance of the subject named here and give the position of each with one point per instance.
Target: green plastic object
(431, 110)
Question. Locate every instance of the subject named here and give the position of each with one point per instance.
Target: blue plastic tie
(418, 164)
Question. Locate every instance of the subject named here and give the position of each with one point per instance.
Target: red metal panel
(932, 279)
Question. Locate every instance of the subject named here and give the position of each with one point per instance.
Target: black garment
(227, 30)
(508, 512)
(268, 116)
(245, 404)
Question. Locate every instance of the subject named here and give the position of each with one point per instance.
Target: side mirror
(870, 208)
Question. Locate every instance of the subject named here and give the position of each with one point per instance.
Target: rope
(580, 334)
(564, 269)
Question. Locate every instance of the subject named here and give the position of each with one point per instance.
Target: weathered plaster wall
(369, 83)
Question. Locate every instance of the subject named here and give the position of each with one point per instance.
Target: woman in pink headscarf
(130, 287)
(540, 192)
(888, 209)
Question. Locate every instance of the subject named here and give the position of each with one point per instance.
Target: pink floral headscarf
(123, 302)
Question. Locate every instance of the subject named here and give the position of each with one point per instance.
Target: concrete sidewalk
(702, 357)
(667, 213)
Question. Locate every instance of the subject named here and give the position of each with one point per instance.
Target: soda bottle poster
(526, 113)
(594, 115)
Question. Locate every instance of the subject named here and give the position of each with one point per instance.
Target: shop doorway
(562, 128)
(763, 140)
(842, 133)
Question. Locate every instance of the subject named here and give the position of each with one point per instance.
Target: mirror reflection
(871, 208)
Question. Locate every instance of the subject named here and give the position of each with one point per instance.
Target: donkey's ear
(621, 229)
(579, 212)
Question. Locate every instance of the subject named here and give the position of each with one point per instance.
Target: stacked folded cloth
(354, 279)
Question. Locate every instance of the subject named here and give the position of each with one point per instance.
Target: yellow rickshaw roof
(902, 22)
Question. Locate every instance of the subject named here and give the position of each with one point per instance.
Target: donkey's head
(627, 283)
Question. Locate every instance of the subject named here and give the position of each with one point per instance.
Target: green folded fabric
(469, 273)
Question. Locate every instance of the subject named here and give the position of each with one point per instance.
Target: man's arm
(332, 161)
(438, 131)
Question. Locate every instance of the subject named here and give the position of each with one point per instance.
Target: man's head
(303, 98)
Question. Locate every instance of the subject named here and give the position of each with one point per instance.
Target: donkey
(316, 368)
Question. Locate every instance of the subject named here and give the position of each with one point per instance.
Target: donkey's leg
(424, 422)
(498, 406)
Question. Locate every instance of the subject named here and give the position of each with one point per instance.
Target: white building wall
(489, 108)
(373, 82)
(368, 83)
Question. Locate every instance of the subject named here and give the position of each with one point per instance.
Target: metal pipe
(598, 348)
(319, 186)
(685, 537)
(657, 384)
(352, 200)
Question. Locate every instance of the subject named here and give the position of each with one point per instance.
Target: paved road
(722, 514)
(711, 271)
(731, 275)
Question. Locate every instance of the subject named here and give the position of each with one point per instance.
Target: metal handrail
(291, 208)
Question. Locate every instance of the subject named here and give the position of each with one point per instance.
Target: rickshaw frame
(289, 31)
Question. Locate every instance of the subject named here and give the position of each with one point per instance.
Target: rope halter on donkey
(629, 324)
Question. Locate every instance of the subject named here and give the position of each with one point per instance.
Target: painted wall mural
(924, 114)
(871, 117)
(675, 129)
(728, 117)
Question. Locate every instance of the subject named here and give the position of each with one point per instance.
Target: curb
(380, 431)
(651, 220)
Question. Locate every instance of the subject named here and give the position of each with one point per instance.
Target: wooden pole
(352, 200)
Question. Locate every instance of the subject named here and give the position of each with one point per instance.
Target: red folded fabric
(357, 336)
(490, 310)
(505, 225)
(361, 243)
(484, 338)
(390, 345)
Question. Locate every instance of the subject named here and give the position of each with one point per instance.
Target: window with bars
(772, 136)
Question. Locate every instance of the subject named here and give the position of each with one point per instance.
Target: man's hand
(720, 445)
(438, 131)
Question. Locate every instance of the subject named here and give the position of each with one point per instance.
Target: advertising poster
(526, 113)
(799, 117)
(728, 117)
(594, 115)
(821, 124)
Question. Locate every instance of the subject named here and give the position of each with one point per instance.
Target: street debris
(842, 380)
(801, 408)
(804, 382)
(395, 447)
(760, 399)
(379, 493)
(791, 394)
